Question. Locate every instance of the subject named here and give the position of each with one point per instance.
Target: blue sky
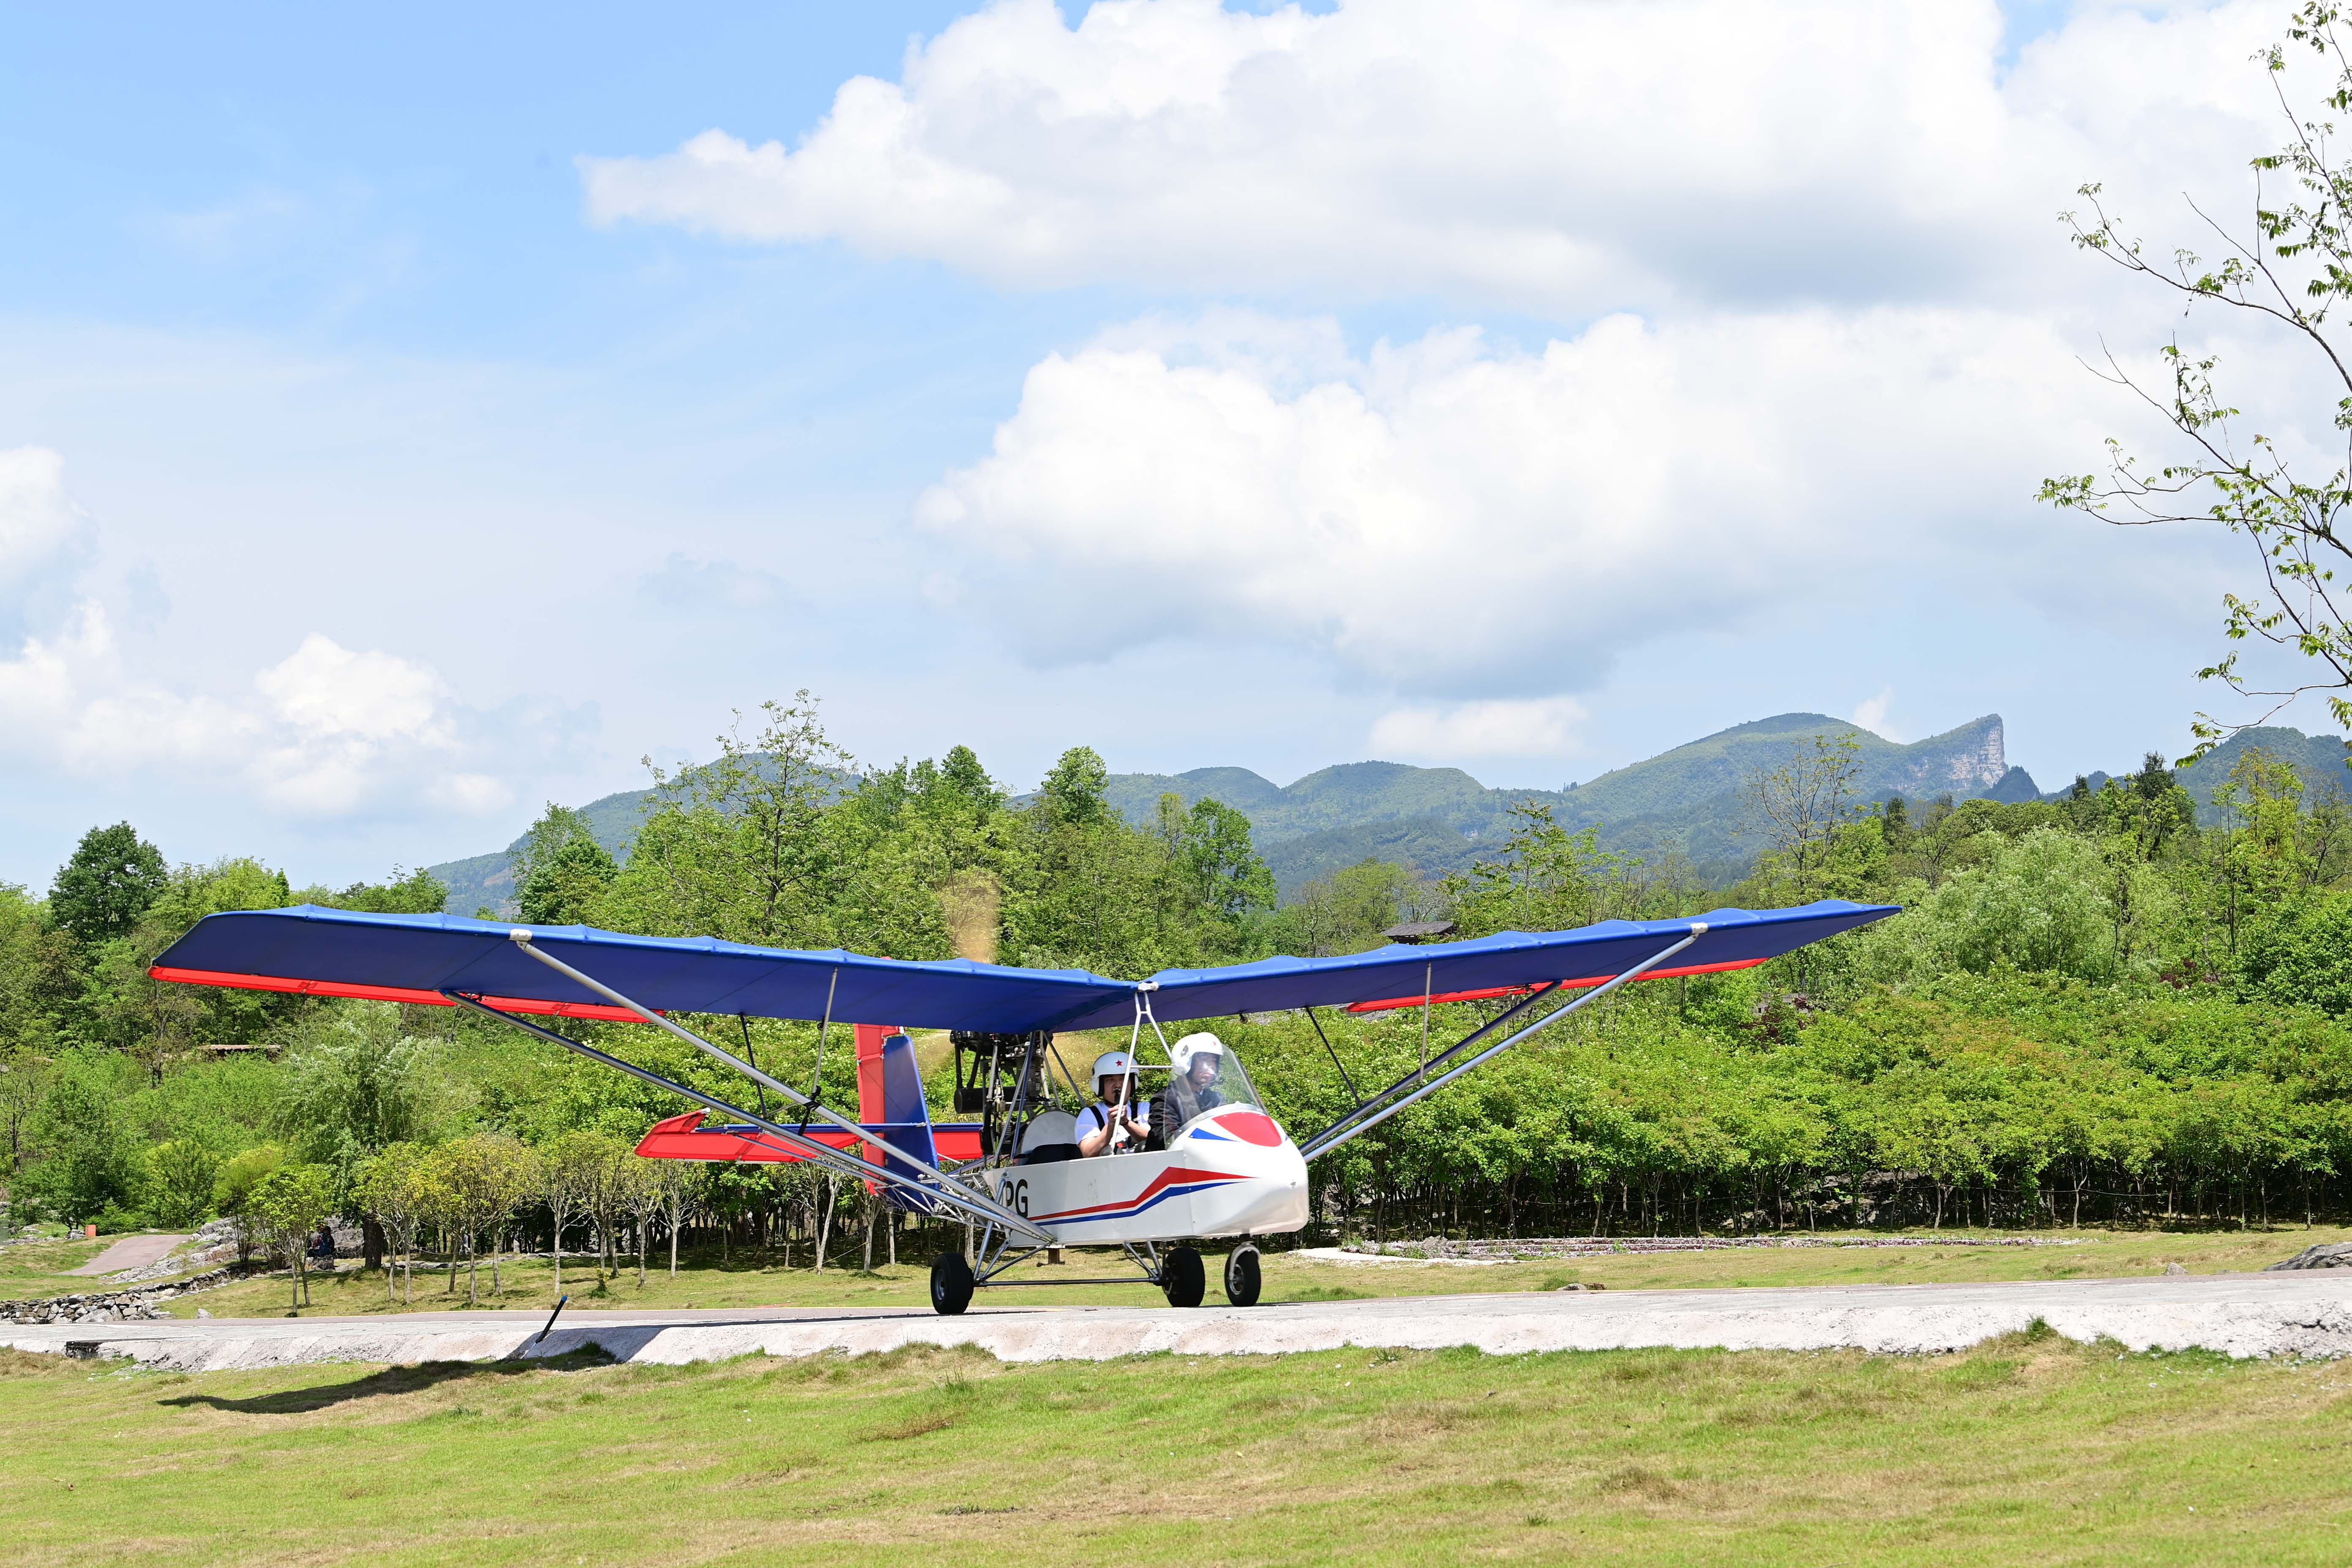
(404, 422)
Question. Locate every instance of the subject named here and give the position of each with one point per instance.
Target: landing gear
(1241, 1281)
(1182, 1278)
(951, 1284)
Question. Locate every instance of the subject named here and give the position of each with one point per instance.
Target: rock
(108, 1306)
(2174, 1268)
(1594, 1287)
(2328, 1255)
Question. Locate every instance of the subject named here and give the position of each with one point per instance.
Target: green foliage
(240, 1178)
(176, 1186)
(2129, 995)
(88, 1168)
(2303, 954)
(1347, 910)
(416, 893)
(561, 873)
(2286, 266)
(285, 1207)
(355, 1081)
(110, 881)
(1547, 878)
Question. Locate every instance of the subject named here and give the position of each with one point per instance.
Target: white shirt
(1095, 1118)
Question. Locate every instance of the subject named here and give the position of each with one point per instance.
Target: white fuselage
(1231, 1172)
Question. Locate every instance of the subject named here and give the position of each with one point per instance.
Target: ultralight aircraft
(1217, 1166)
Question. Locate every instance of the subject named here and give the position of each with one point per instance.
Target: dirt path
(130, 1252)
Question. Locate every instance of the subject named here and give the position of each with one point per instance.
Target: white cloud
(326, 732)
(1466, 519)
(682, 582)
(1871, 714)
(1567, 158)
(36, 687)
(38, 523)
(1538, 727)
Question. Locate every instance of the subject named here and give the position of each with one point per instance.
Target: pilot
(1197, 1060)
(1116, 1115)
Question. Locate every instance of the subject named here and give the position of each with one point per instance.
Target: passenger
(1116, 1116)
(1197, 1060)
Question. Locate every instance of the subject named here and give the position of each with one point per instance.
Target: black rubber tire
(1183, 1278)
(1243, 1280)
(950, 1284)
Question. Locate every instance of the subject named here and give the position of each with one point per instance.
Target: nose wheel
(1242, 1277)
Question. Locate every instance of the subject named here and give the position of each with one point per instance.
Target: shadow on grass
(391, 1379)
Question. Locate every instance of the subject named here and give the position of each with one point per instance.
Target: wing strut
(1418, 1085)
(981, 1207)
(950, 1192)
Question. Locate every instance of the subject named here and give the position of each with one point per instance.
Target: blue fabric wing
(703, 974)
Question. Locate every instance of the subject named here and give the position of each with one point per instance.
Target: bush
(2302, 955)
(178, 1182)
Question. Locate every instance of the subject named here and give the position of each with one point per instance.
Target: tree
(641, 1193)
(288, 1207)
(2290, 269)
(106, 884)
(481, 1179)
(675, 1181)
(89, 1168)
(355, 1082)
(1798, 806)
(417, 892)
(1075, 791)
(233, 1191)
(1547, 879)
(1218, 870)
(738, 846)
(1347, 910)
(395, 1189)
(569, 1169)
(179, 1176)
(561, 872)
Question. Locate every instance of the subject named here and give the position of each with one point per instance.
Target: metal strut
(1418, 1085)
(964, 1196)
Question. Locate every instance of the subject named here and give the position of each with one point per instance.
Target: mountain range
(1440, 819)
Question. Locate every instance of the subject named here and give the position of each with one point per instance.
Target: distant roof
(417, 958)
(1419, 931)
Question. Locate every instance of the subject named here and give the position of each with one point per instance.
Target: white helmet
(1114, 1064)
(1181, 1054)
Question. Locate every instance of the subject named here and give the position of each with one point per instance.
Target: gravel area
(2293, 1314)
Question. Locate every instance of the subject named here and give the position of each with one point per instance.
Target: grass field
(529, 1287)
(33, 1268)
(2032, 1450)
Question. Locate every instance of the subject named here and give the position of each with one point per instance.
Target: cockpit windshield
(1205, 1074)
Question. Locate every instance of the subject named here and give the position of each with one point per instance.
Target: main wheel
(1241, 1281)
(1183, 1278)
(950, 1284)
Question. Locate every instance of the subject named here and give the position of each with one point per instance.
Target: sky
(408, 419)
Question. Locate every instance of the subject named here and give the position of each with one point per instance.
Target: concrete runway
(2300, 1314)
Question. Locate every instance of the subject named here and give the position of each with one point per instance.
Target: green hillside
(2318, 760)
(482, 882)
(1683, 801)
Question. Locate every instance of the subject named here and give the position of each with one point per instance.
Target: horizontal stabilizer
(686, 1138)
